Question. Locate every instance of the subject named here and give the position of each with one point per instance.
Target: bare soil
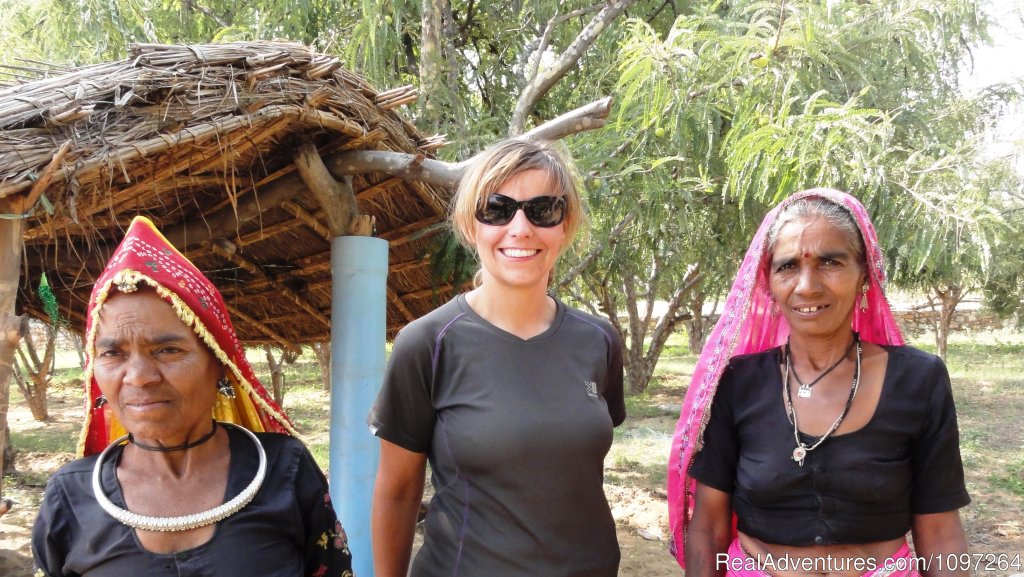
(992, 439)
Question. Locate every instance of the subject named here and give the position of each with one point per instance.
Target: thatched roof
(192, 136)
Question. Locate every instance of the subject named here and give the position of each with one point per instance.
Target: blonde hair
(505, 159)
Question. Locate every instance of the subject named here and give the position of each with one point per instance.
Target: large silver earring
(224, 388)
(864, 298)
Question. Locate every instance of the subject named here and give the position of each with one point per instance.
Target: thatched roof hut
(202, 139)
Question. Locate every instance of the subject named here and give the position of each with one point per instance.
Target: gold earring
(864, 298)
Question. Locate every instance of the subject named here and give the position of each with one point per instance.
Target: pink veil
(747, 326)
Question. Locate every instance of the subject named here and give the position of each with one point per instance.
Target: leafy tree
(88, 31)
(1004, 285)
(723, 109)
(952, 256)
(737, 105)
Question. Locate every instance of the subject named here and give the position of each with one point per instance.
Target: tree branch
(666, 324)
(582, 265)
(211, 15)
(417, 167)
(542, 83)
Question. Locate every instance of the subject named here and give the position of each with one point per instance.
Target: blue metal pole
(359, 265)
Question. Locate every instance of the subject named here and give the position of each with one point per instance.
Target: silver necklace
(801, 450)
(184, 522)
(805, 389)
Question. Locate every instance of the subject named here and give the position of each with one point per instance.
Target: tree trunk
(641, 354)
(948, 299)
(276, 374)
(39, 370)
(432, 67)
(638, 371)
(323, 358)
(76, 339)
(9, 453)
(10, 263)
(695, 325)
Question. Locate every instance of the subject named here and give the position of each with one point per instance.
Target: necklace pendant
(798, 454)
(804, 392)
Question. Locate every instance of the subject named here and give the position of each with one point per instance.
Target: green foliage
(738, 105)
(722, 109)
(87, 31)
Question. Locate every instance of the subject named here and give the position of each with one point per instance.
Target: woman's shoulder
(287, 454)
(434, 322)
(906, 354)
(758, 359)
(80, 466)
(600, 323)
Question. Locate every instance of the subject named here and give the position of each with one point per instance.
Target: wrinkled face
(520, 254)
(815, 278)
(159, 377)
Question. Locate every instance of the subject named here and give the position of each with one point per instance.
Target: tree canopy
(721, 110)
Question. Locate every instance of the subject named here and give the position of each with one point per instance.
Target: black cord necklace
(801, 450)
(804, 392)
(182, 447)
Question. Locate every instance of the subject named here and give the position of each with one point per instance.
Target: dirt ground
(994, 521)
(640, 513)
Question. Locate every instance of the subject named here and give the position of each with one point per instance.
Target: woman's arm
(396, 502)
(709, 533)
(938, 534)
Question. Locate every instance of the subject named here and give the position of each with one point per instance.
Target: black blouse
(288, 530)
(857, 487)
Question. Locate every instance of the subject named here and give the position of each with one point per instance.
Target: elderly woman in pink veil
(812, 440)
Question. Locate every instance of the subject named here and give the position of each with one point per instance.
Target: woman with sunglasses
(509, 394)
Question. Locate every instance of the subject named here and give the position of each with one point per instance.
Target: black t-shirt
(516, 432)
(288, 530)
(857, 487)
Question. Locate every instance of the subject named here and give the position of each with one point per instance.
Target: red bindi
(807, 255)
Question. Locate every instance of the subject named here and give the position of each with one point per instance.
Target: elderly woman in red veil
(189, 467)
(811, 440)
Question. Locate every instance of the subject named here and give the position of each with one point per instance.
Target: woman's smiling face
(520, 254)
(159, 377)
(815, 277)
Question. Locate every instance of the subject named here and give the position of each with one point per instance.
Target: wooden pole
(10, 269)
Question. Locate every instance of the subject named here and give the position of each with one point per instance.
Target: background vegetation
(721, 109)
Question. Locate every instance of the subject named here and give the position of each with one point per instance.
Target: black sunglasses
(542, 211)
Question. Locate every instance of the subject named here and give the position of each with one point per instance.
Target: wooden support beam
(400, 267)
(229, 251)
(26, 203)
(436, 291)
(409, 232)
(268, 231)
(307, 219)
(10, 273)
(336, 198)
(285, 343)
(371, 191)
(394, 299)
(227, 221)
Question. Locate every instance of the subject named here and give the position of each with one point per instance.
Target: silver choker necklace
(184, 522)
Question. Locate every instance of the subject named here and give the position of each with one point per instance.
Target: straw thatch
(201, 139)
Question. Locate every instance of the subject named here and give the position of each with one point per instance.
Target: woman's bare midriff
(822, 560)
